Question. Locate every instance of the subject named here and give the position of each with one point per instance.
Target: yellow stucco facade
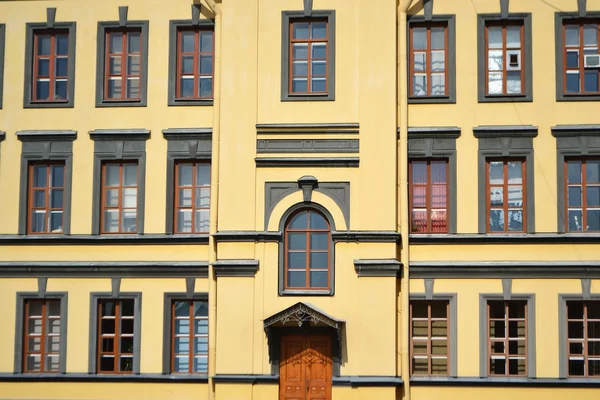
(344, 156)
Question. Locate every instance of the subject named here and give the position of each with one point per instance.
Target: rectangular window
(119, 197)
(46, 198)
(189, 337)
(505, 193)
(507, 337)
(580, 61)
(123, 58)
(308, 56)
(582, 189)
(50, 68)
(504, 51)
(428, 59)
(195, 61)
(192, 197)
(429, 193)
(115, 351)
(42, 330)
(583, 319)
(429, 337)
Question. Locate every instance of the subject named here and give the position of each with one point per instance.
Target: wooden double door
(305, 370)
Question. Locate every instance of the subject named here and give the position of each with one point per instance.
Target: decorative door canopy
(302, 314)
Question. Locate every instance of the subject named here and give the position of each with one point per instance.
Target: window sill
(506, 381)
(449, 99)
(506, 98)
(121, 103)
(308, 97)
(191, 102)
(48, 104)
(577, 97)
(304, 292)
(80, 377)
(522, 238)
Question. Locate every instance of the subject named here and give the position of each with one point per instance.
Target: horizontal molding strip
(247, 236)
(418, 132)
(237, 268)
(50, 134)
(307, 146)
(497, 131)
(505, 382)
(464, 238)
(119, 134)
(324, 162)
(337, 236)
(575, 130)
(356, 381)
(504, 269)
(377, 267)
(245, 378)
(103, 239)
(307, 128)
(78, 377)
(187, 133)
(112, 269)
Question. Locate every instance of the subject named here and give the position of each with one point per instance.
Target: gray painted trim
(466, 381)
(575, 130)
(137, 328)
(307, 128)
(19, 327)
(123, 15)
(103, 26)
(2, 135)
(429, 288)
(167, 316)
(505, 269)
(174, 26)
(507, 288)
(69, 240)
(527, 63)
(286, 16)
(367, 381)
(499, 131)
(115, 284)
(307, 146)
(84, 377)
(42, 286)
(317, 162)
(586, 287)
(483, 331)
(582, 8)
(187, 133)
(451, 21)
(236, 268)
(246, 236)
(28, 101)
(2, 51)
(559, 18)
(246, 378)
(366, 236)
(119, 134)
(522, 238)
(452, 324)
(504, 9)
(417, 132)
(46, 134)
(377, 267)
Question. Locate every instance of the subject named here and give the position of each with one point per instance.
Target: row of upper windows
(308, 72)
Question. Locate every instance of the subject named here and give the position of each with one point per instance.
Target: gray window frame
(425, 143)
(119, 145)
(572, 141)
(45, 146)
(137, 327)
(31, 28)
(560, 18)
(450, 19)
(506, 142)
(2, 50)
(167, 316)
(286, 16)
(183, 144)
(174, 26)
(281, 264)
(19, 327)
(452, 329)
(101, 63)
(526, 63)
(483, 333)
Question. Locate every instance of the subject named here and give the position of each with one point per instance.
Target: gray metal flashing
(308, 5)
(466, 381)
(286, 17)
(28, 99)
(504, 9)
(120, 134)
(452, 324)
(19, 329)
(123, 10)
(575, 130)
(307, 146)
(366, 381)
(306, 162)
(498, 131)
(377, 267)
(235, 268)
(582, 8)
(187, 133)
(2, 51)
(85, 377)
(78, 239)
(246, 378)
(101, 63)
(95, 297)
(308, 128)
(174, 27)
(428, 9)
(483, 331)
(247, 236)
(47, 134)
(521, 238)
(417, 132)
(450, 98)
(527, 63)
(366, 236)
(50, 17)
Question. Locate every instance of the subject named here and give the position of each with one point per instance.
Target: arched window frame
(285, 220)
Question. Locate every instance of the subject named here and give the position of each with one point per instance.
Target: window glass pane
(297, 241)
(111, 220)
(572, 35)
(200, 309)
(496, 220)
(592, 171)
(420, 366)
(573, 59)
(130, 175)
(187, 64)
(437, 60)
(42, 90)
(319, 68)
(61, 66)
(206, 63)
(318, 50)
(184, 174)
(419, 84)
(439, 347)
(419, 38)
(513, 83)
(515, 196)
(300, 68)
(419, 221)
(318, 85)
(111, 197)
(419, 347)
(300, 50)
(34, 362)
(495, 60)
(574, 309)
(129, 220)
(317, 221)
(297, 260)
(182, 345)
(206, 42)
(182, 327)
(133, 88)
(591, 81)
(184, 221)
(575, 220)
(34, 344)
(56, 198)
(39, 198)
(201, 327)
(419, 172)
(44, 45)
(574, 171)
(593, 220)
(577, 367)
(43, 67)
(299, 85)
(438, 38)
(130, 198)
(133, 42)
(133, 65)
(202, 220)
(38, 221)
(206, 86)
(495, 37)
(39, 176)
(318, 279)
(573, 82)
(496, 172)
(181, 364)
(574, 196)
(593, 310)
(575, 329)
(185, 197)
(203, 174)
(495, 83)
(300, 30)
(319, 30)
(590, 35)
(115, 42)
(319, 260)
(419, 59)
(438, 84)
(515, 220)
(296, 278)
(114, 88)
(114, 65)
(203, 197)
(319, 241)
(201, 345)
(515, 172)
(419, 310)
(592, 196)
(201, 364)
(187, 41)
(60, 90)
(513, 36)
(182, 308)
(300, 221)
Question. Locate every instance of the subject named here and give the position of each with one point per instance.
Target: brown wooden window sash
(192, 197)
(120, 65)
(189, 337)
(429, 337)
(120, 198)
(45, 202)
(506, 52)
(498, 215)
(115, 336)
(41, 341)
(427, 70)
(309, 246)
(428, 190)
(50, 66)
(202, 65)
(578, 219)
(587, 79)
(318, 58)
(507, 338)
(583, 340)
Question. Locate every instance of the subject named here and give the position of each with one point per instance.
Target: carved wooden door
(305, 371)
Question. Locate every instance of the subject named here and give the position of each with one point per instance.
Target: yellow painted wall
(491, 393)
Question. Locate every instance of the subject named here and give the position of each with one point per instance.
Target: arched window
(307, 254)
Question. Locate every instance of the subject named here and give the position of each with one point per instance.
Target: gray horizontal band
(381, 267)
(247, 236)
(338, 125)
(239, 268)
(492, 131)
(575, 130)
(187, 133)
(103, 239)
(507, 239)
(79, 377)
(366, 236)
(511, 382)
(245, 378)
(415, 132)
(120, 134)
(307, 146)
(50, 134)
(504, 269)
(367, 381)
(348, 162)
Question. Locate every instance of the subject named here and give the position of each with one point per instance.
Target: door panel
(292, 384)
(319, 368)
